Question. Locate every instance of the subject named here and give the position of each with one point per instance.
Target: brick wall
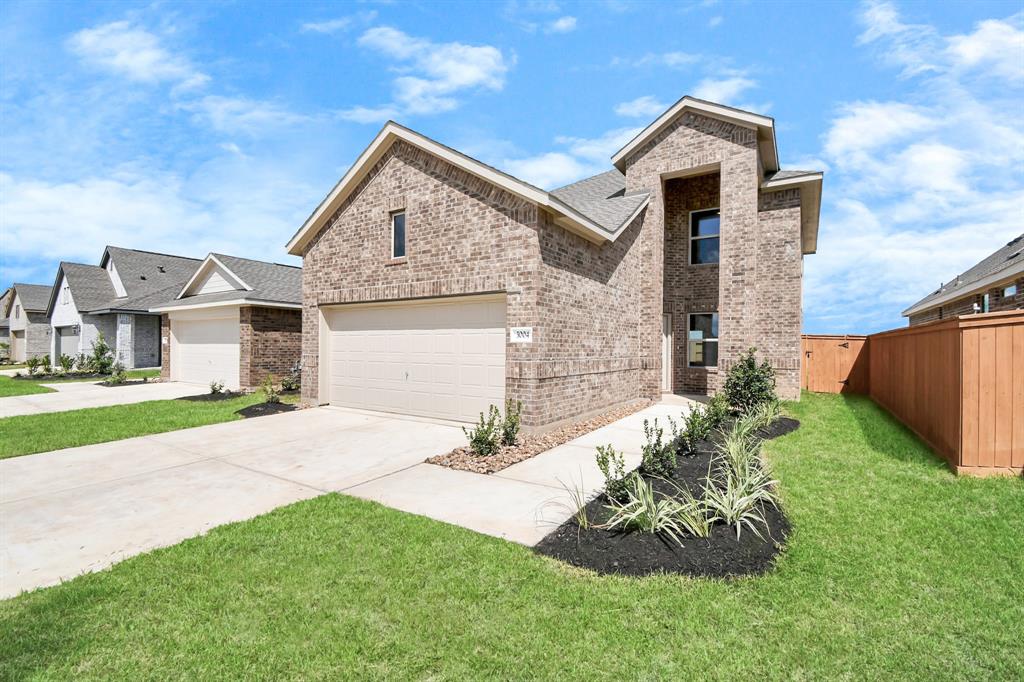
(146, 341)
(165, 347)
(270, 343)
(997, 302)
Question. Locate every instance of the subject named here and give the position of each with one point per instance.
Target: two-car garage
(442, 358)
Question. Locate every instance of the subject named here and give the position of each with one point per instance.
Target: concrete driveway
(75, 395)
(82, 509)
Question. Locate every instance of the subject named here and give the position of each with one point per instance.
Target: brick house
(992, 285)
(435, 285)
(234, 321)
(28, 326)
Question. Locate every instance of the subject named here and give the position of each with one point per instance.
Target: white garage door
(205, 350)
(442, 359)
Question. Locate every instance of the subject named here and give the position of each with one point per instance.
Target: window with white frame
(398, 234)
(17, 312)
(704, 231)
(984, 303)
(1010, 291)
(702, 340)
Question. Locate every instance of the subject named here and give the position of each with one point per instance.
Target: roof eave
(230, 303)
(810, 205)
(927, 303)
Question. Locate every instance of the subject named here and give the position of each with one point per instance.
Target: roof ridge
(152, 253)
(256, 260)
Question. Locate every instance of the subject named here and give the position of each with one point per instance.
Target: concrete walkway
(75, 395)
(82, 509)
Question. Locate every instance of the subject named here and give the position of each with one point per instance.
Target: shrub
(642, 511)
(696, 426)
(216, 387)
(101, 360)
(749, 384)
(32, 364)
(510, 424)
(44, 362)
(613, 466)
(718, 410)
(659, 457)
(741, 484)
(82, 362)
(118, 375)
(270, 393)
(485, 437)
(66, 362)
(765, 414)
(293, 381)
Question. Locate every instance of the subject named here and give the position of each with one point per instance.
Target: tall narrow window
(398, 235)
(17, 312)
(704, 230)
(984, 303)
(64, 294)
(702, 340)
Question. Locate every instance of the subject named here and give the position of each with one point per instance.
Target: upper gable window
(704, 230)
(64, 294)
(398, 235)
(17, 312)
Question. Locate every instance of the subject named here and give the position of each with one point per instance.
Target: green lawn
(11, 387)
(33, 433)
(895, 570)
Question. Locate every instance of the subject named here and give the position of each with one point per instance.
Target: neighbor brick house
(436, 285)
(28, 325)
(5, 325)
(233, 322)
(992, 285)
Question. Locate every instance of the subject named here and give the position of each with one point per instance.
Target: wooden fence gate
(834, 363)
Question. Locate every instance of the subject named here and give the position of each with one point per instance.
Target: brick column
(165, 347)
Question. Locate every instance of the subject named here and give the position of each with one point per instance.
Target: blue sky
(219, 126)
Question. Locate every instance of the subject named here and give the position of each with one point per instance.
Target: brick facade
(997, 302)
(596, 310)
(165, 347)
(270, 343)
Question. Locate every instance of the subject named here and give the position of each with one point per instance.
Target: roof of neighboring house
(90, 286)
(263, 282)
(33, 297)
(603, 199)
(1005, 262)
(4, 298)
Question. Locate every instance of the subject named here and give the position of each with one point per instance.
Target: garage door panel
(444, 359)
(206, 350)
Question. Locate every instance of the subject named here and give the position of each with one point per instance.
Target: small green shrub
(118, 375)
(749, 384)
(67, 363)
(658, 457)
(765, 414)
(613, 466)
(718, 410)
(741, 485)
(101, 360)
(643, 511)
(82, 362)
(216, 387)
(293, 381)
(696, 426)
(33, 364)
(485, 437)
(510, 424)
(270, 393)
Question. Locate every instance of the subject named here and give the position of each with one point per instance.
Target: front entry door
(666, 353)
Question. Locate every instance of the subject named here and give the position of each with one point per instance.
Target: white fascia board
(810, 205)
(747, 119)
(392, 132)
(983, 283)
(227, 304)
(205, 266)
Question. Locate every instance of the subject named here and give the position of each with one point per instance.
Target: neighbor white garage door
(443, 358)
(205, 350)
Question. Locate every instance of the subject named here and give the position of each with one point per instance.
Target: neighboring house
(28, 323)
(235, 321)
(113, 299)
(436, 285)
(994, 284)
(5, 325)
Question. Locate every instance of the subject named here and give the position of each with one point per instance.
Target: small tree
(270, 393)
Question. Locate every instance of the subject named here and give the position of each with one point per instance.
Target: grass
(10, 387)
(896, 569)
(33, 433)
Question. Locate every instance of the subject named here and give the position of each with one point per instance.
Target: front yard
(895, 569)
(29, 434)
(9, 386)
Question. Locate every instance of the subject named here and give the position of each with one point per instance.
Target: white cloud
(995, 45)
(674, 60)
(715, 21)
(645, 107)
(549, 170)
(865, 126)
(907, 45)
(135, 53)
(368, 114)
(564, 24)
(242, 115)
(723, 90)
(434, 74)
(600, 148)
(329, 26)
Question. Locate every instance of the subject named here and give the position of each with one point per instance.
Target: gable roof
(764, 125)
(4, 299)
(90, 286)
(262, 283)
(603, 199)
(1005, 262)
(33, 297)
(566, 215)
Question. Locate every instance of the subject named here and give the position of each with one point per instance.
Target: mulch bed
(720, 555)
(264, 409)
(39, 376)
(465, 459)
(211, 397)
(130, 382)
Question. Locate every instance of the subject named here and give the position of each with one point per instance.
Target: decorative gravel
(465, 459)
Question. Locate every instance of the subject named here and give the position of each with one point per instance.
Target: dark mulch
(720, 555)
(211, 397)
(130, 382)
(264, 409)
(38, 376)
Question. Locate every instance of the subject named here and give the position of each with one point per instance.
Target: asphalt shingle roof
(1005, 257)
(147, 276)
(269, 281)
(602, 198)
(786, 174)
(33, 297)
(90, 286)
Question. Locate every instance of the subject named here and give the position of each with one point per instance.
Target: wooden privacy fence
(957, 383)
